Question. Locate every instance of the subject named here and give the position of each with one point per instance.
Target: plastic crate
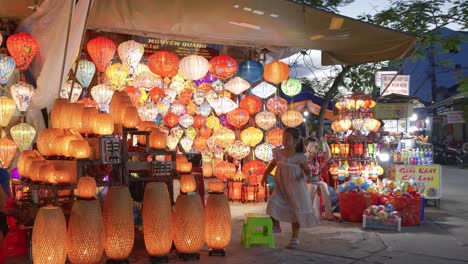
(408, 207)
(375, 222)
(352, 205)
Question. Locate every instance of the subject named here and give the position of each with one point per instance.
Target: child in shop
(290, 201)
(318, 153)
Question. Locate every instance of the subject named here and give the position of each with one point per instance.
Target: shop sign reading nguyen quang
(181, 48)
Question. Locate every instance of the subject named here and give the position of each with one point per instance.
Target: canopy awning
(272, 24)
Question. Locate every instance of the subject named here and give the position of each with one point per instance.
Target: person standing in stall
(290, 201)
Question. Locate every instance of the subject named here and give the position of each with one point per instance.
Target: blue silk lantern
(85, 72)
(251, 71)
(7, 66)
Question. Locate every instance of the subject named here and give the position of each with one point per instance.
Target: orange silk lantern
(199, 121)
(277, 105)
(163, 63)
(184, 166)
(101, 50)
(87, 120)
(254, 167)
(238, 117)
(7, 151)
(205, 132)
(224, 170)
(156, 94)
(22, 47)
(223, 66)
(171, 119)
(292, 118)
(251, 103)
(185, 96)
(275, 137)
(199, 144)
(276, 72)
(134, 93)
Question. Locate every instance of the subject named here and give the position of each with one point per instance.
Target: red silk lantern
(277, 105)
(163, 63)
(199, 121)
(251, 103)
(134, 93)
(156, 94)
(276, 72)
(171, 119)
(185, 96)
(238, 117)
(275, 137)
(224, 170)
(223, 66)
(101, 50)
(254, 167)
(22, 47)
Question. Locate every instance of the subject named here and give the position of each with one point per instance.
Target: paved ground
(442, 238)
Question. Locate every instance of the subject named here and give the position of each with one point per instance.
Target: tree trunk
(329, 95)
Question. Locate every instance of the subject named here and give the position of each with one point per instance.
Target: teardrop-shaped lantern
(194, 67)
(102, 51)
(7, 151)
(7, 66)
(22, 93)
(7, 109)
(23, 134)
(102, 94)
(264, 152)
(163, 63)
(22, 47)
(67, 88)
(238, 150)
(117, 75)
(85, 72)
(237, 85)
(130, 52)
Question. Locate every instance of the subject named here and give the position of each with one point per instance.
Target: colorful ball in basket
(276, 72)
(251, 71)
(223, 66)
(163, 63)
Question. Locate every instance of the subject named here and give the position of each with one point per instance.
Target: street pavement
(441, 238)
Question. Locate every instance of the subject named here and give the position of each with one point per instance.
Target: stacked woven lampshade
(217, 219)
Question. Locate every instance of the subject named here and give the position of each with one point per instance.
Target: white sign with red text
(399, 85)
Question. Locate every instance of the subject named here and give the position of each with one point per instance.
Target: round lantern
(345, 124)
(265, 120)
(7, 66)
(7, 151)
(22, 47)
(276, 72)
(291, 87)
(335, 126)
(171, 119)
(237, 85)
(103, 124)
(79, 149)
(188, 220)
(204, 109)
(217, 221)
(224, 170)
(185, 96)
(187, 183)
(199, 97)
(292, 118)
(156, 94)
(130, 117)
(238, 150)
(178, 108)
(250, 70)
(264, 152)
(186, 120)
(372, 124)
(85, 72)
(130, 52)
(157, 219)
(277, 105)
(238, 117)
(101, 50)
(85, 236)
(86, 187)
(194, 67)
(163, 63)
(223, 66)
(67, 89)
(252, 136)
(102, 94)
(116, 75)
(251, 103)
(49, 245)
(212, 122)
(23, 134)
(119, 231)
(134, 93)
(223, 137)
(7, 109)
(254, 167)
(264, 90)
(275, 137)
(22, 93)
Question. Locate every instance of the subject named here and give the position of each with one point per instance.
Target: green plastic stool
(253, 236)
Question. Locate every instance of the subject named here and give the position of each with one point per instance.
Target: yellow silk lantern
(49, 236)
(223, 137)
(189, 224)
(251, 136)
(7, 151)
(7, 109)
(187, 183)
(292, 118)
(86, 187)
(212, 122)
(117, 75)
(217, 221)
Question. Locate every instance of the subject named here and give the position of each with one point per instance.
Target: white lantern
(194, 67)
(147, 111)
(66, 90)
(130, 52)
(237, 85)
(223, 105)
(21, 94)
(204, 110)
(178, 109)
(186, 120)
(85, 72)
(102, 94)
(147, 81)
(186, 143)
(264, 90)
(199, 97)
(264, 152)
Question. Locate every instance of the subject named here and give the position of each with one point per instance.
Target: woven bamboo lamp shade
(216, 186)
(63, 176)
(184, 167)
(145, 126)
(103, 124)
(130, 117)
(187, 183)
(34, 172)
(87, 120)
(49, 236)
(63, 144)
(86, 187)
(55, 113)
(46, 173)
(157, 216)
(189, 224)
(158, 139)
(46, 141)
(26, 170)
(217, 221)
(25, 154)
(118, 223)
(85, 232)
(207, 169)
(79, 149)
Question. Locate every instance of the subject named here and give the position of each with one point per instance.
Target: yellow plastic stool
(251, 235)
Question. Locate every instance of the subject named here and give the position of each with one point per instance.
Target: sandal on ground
(332, 218)
(293, 243)
(276, 229)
